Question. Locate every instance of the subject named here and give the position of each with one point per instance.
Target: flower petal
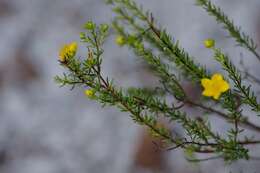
(207, 93)
(73, 46)
(63, 52)
(225, 86)
(73, 49)
(216, 95)
(217, 77)
(205, 82)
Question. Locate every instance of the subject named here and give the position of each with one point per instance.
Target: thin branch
(204, 159)
(245, 123)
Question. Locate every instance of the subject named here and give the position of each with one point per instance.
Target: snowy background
(47, 129)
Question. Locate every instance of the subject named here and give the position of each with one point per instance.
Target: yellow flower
(68, 51)
(120, 40)
(209, 43)
(89, 93)
(215, 86)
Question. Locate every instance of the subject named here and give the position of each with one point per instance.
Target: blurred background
(47, 129)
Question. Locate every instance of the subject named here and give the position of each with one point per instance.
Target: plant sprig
(246, 94)
(240, 37)
(137, 29)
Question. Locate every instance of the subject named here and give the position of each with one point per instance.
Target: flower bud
(104, 28)
(120, 40)
(89, 93)
(90, 25)
(209, 43)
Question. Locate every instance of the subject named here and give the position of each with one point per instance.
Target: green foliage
(128, 11)
(247, 96)
(137, 29)
(241, 38)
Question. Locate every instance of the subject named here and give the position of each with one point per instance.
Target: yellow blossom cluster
(68, 51)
